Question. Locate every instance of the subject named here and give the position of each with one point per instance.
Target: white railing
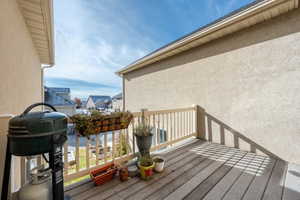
(84, 155)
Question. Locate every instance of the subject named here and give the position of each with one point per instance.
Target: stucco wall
(250, 80)
(20, 69)
(20, 74)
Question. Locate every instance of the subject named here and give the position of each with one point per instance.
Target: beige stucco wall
(249, 80)
(20, 73)
(20, 68)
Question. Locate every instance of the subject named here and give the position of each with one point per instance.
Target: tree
(78, 102)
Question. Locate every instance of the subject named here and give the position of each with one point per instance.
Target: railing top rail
(155, 112)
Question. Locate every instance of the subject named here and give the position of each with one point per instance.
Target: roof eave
(38, 16)
(220, 29)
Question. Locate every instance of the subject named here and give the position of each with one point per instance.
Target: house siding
(250, 80)
(90, 104)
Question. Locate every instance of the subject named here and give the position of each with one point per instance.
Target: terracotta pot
(123, 173)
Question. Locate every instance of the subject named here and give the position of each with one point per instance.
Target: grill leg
(6, 175)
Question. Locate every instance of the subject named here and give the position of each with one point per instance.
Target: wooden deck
(202, 170)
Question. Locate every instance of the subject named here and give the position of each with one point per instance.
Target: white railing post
(200, 122)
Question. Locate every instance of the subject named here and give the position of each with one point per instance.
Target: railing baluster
(154, 130)
(87, 153)
(97, 149)
(105, 147)
(184, 123)
(236, 141)
(222, 134)
(127, 142)
(113, 145)
(190, 122)
(181, 125)
(158, 130)
(163, 128)
(172, 126)
(209, 129)
(66, 160)
(133, 138)
(77, 154)
(167, 128)
(178, 126)
(120, 144)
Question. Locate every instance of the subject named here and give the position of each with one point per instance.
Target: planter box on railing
(97, 123)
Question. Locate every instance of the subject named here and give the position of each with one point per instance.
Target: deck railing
(169, 127)
(81, 155)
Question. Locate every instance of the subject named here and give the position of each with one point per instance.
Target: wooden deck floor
(201, 170)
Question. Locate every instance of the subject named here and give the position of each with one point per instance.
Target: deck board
(275, 186)
(116, 187)
(203, 170)
(241, 185)
(256, 189)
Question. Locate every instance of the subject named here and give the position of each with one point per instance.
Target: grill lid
(37, 123)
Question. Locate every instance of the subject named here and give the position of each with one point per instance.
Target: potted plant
(143, 134)
(146, 166)
(159, 164)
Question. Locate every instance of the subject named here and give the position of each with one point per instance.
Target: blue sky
(95, 38)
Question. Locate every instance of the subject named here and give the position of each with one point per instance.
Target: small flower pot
(159, 164)
(146, 171)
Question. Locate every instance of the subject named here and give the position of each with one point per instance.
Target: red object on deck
(103, 174)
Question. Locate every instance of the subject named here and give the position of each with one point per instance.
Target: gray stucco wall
(250, 80)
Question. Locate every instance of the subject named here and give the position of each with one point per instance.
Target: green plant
(123, 147)
(143, 129)
(146, 161)
(82, 123)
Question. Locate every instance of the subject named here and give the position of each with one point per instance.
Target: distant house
(117, 102)
(60, 98)
(98, 102)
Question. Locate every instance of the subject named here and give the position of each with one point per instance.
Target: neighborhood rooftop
(249, 15)
(97, 98)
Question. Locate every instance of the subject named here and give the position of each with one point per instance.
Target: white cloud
(91, 47)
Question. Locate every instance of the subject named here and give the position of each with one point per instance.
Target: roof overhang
(256, 12)
(38, 15)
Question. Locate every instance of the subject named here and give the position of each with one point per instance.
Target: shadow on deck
(203, 170)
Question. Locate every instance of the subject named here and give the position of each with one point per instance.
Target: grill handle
(28, 109)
